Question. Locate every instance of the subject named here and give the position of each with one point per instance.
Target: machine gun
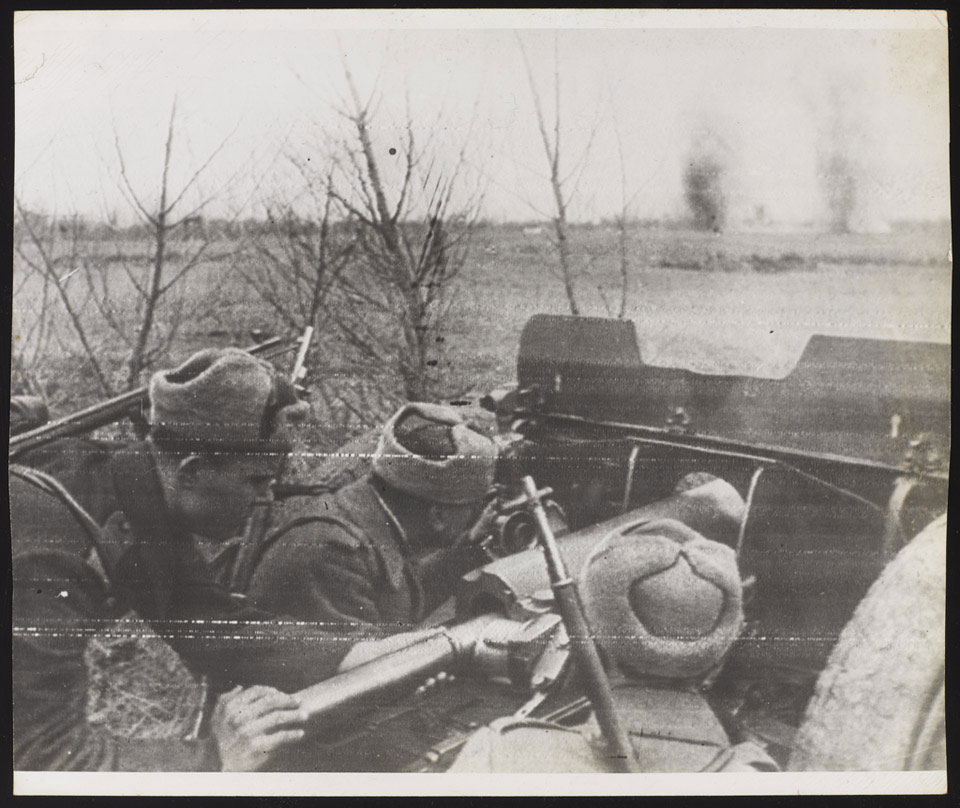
(508, 634)
(132, 404)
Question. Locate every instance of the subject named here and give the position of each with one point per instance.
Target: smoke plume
(846, 155)
(839, 181)
(706, 179)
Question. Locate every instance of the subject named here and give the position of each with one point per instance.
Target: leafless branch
(47, 266)
(196, 174)
(552, 153)
(127, 188)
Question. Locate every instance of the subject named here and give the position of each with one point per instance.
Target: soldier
(665, 605)
(215, 443)
(383, 553)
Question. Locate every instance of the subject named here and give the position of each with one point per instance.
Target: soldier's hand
(251, 724)
(482, 528)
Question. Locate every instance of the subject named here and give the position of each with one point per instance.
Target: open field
(726, 316)
(737, 302)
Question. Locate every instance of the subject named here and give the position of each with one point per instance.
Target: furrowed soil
(728, 303)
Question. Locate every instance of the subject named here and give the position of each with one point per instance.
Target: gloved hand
(251, 724)
(482, 527)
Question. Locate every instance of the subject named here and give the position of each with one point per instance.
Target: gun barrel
(98, 415)
(341, 697)
(85, 420)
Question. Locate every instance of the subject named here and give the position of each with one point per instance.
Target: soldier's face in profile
(455, 521)
(215, 496)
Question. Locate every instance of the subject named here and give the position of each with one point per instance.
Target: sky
(775, 93)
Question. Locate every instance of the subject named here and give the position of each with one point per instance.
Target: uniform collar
(402, 539)
(360, 504)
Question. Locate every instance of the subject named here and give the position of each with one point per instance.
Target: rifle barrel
(101, 414)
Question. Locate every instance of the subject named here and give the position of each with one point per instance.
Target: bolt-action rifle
(582, 646)
(133, 404)
(259, 521)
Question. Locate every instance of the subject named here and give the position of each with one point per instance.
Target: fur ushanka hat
(430, 452)
(223, 395)
(663, 600)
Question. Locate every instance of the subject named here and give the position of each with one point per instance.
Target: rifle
(582, 645)
(107, 412)
(262, 512)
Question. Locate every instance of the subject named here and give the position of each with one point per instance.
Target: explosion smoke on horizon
(845, 154)
(838, 173)
(706, 180)
(839, 182)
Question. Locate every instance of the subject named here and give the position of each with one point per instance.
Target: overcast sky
(777, 91)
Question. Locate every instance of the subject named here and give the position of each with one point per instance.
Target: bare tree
(123, 307)
(164, 222)
(623, 237)
(563, 185)
(32, 323)
(411, 244)
(51, 250)
(299, 257)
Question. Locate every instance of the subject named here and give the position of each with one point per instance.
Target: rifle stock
(582, 644)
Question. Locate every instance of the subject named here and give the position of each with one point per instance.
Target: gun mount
(817, 479)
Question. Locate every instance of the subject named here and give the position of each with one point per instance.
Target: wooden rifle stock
(582, 645)
(107, 412)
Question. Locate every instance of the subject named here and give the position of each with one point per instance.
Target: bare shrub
(170, 219)
(412, 241)
(124, 305)
(299, 257)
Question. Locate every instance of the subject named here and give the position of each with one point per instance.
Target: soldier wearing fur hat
(665, 605)
(214, 444)
(382, 553)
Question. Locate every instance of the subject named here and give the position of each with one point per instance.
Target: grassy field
(737, 302)
(742, 303)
